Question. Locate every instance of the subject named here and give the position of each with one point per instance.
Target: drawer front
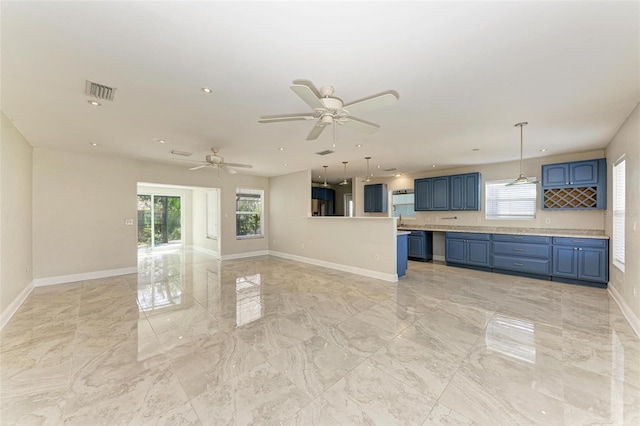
(580, 242)
(522, 249)
(468, 236)
(531, 266)
(522, 238)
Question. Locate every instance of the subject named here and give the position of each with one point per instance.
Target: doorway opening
(159, 220)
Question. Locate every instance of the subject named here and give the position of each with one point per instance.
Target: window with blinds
(619, 185)
(510, 202)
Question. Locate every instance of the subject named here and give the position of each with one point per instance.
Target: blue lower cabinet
(420, 245)
(466, 249)
(401, 260)
(581, 259)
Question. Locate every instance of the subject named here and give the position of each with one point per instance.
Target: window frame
(250, 192)
(619, 213)
(412, 204)
(504, 216)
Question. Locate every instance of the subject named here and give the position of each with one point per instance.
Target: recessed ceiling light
(475, 149)
(544, 150)
(207, 90)
(281, 149)
(398, 174)
(160, 140)
(379, 166)
(359, 145)
(285, 164)
(93, 144)
(94, 103)
(434, 166)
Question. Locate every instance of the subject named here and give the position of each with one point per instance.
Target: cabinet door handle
(566, 183)
(517, 249)
(575, 248)
(517, 264)
(579, 249)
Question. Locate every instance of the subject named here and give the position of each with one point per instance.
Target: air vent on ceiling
(325, 152)
(390, 170)
(99, 91)
(183, 153)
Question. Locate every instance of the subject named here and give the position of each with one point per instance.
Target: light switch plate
(128, 222)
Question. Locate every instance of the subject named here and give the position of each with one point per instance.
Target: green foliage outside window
(248, 213)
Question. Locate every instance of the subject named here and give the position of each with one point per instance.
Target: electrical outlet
(128, 222)
(376, 256)
(548, 221)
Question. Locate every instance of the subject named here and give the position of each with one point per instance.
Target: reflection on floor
(264, 340)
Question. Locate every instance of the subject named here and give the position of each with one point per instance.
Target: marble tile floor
(265, 340)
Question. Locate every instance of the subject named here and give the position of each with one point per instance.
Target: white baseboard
(61, 279)
(15, 305)
(345, 268)
(626, 310)
(243, 255)
(213, 253)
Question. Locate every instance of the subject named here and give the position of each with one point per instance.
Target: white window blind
(510, 202)
(619, 185)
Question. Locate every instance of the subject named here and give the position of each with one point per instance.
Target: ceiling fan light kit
(215, 160)
(521, 179)
(328, 109)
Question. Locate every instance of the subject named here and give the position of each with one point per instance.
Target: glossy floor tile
(189, 340)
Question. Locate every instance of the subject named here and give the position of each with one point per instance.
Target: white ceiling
(465, 73)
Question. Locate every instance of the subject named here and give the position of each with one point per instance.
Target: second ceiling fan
(328, 109)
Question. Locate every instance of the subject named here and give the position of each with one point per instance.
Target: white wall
(363, 245)
(16, 262)
(81, 203)
(593, 219)
(627, 283)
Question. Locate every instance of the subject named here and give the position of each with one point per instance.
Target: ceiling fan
(328, 109)
(214, 160)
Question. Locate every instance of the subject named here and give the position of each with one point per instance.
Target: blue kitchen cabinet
(581, 259)
(573, 173)
(577, 185)
(431, 194)
(401, 252)
(423, 194)
(468, 249)
(465, 192)
(522, 255)
(375, 198)
(420, 245)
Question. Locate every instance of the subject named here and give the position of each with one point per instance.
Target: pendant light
(368, 179)
(325, 184)
(344, 182)
(521, 179)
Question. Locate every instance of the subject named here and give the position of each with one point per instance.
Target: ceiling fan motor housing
(214, 159)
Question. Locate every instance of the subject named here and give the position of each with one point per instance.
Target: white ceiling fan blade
(198, 167)
(286, 117)
(380, 100)
(315, 132)
(361, 125)
(242, 166)
(230, 171)
(307, 93)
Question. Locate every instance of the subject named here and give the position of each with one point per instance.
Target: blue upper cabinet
(574, 173)
(465, 192)
(457, 192)
(440, 194)
(578, 185)
(423, 194)
(375, 198)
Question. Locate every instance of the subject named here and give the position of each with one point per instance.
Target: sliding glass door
(159, 220)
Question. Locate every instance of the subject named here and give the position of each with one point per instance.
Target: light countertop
(547, 232)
